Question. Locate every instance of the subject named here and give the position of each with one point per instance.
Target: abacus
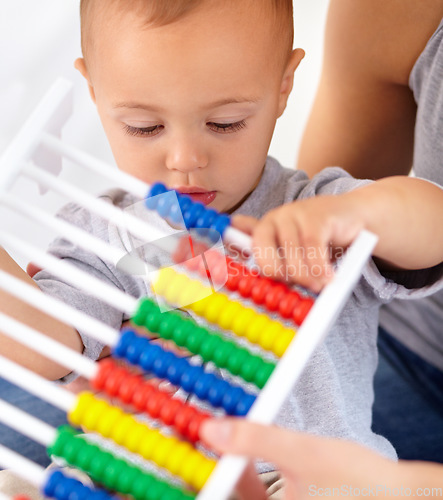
(263, 356)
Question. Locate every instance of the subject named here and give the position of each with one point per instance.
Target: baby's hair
(162, 12)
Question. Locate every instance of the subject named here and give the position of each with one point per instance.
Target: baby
(189, 92)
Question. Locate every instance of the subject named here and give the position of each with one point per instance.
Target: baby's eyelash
(225, 128)
(143, 131)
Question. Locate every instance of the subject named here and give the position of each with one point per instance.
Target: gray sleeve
(386, 285)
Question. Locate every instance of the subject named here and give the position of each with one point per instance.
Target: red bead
(114, 381)
(219, 273)
(155, 403)
(105, 367)
(274, 296)
(246, 285)
(287, 304)
(129, 387)
(261, 287)
(194, 427)
(234, 276)
(183, 418)
(169, 411)
(301, 311)
(142, 395)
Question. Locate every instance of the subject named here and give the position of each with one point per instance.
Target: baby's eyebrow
(215, 104)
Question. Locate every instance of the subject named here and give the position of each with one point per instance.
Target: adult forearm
(30, 316)
(406, 215)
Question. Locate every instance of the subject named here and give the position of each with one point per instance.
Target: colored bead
(301, 311)
(223, 221)
(256, 327)
(287, 304)
(193, 213)
(229, 314)
(283, 341)
(260, 290)
(242, 321)
(274, 296)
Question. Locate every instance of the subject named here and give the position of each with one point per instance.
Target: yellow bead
(190, 467)
(106, 425)
(270, 334)
(163, 450)
(200, 306)
(283, 341)
(164, 277)
(176, 459)
(216, 302)
(242, 321)
(92, 417)
(82, 404)
(122, 429)
(148, 444)
(203, 473)
(193, 292)
(256, 327)
(229, 313)
(135, 432)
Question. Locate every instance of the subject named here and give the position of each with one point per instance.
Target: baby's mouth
(198, 194)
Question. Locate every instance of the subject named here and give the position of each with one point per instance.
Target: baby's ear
(288, 78)
(80, 65)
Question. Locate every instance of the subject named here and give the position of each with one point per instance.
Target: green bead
(113, 471)
(209, 346)
(99, 465)
(156, 490)
(167, 326)
(236, 360)
(194, 338)
(127, 480)
(223, 353)
(182, 331)
(249, 368)
(142, 485)
(263, 374)
(143, 308)
(86, 455)
(153, 320)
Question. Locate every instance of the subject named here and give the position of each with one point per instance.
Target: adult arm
(313, 466)
(36, 319)
(363, 115)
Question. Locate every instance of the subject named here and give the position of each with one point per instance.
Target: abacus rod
(109, 212)
(22, 467)
(125, 181)
(26, 424)
(48, 347)
(95, 287)
(69, 231)
(39, 386)
(58, 309)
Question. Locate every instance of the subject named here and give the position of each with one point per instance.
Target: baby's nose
(186, 155)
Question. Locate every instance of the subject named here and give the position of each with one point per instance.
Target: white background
(39, 41)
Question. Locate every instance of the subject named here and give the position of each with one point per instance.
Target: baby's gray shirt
(334, 395)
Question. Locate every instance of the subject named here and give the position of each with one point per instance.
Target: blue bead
(165, 204)
(191, 215)
(231, 399)
(63, 488)
(176, 214)
(223, 221)
(190, 377)
(51, 483)
(207, 218)
(156, 189)
(148, 356)
(244, 405)
(203, 384)
(125, 340)
(175, 371)
(160, 366)
(135, 349)
(217, 391)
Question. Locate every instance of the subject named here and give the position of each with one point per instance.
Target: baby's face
(192, 104)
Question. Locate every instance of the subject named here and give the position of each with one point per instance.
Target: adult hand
(310, 465)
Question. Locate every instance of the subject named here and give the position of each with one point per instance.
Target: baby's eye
(225, 128)
(143, 131)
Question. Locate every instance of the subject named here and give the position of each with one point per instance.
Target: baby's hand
(298, 242)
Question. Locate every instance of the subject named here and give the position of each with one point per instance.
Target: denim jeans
(38, 408)
(408, 407)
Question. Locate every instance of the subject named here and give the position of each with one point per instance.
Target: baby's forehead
(272, 17)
